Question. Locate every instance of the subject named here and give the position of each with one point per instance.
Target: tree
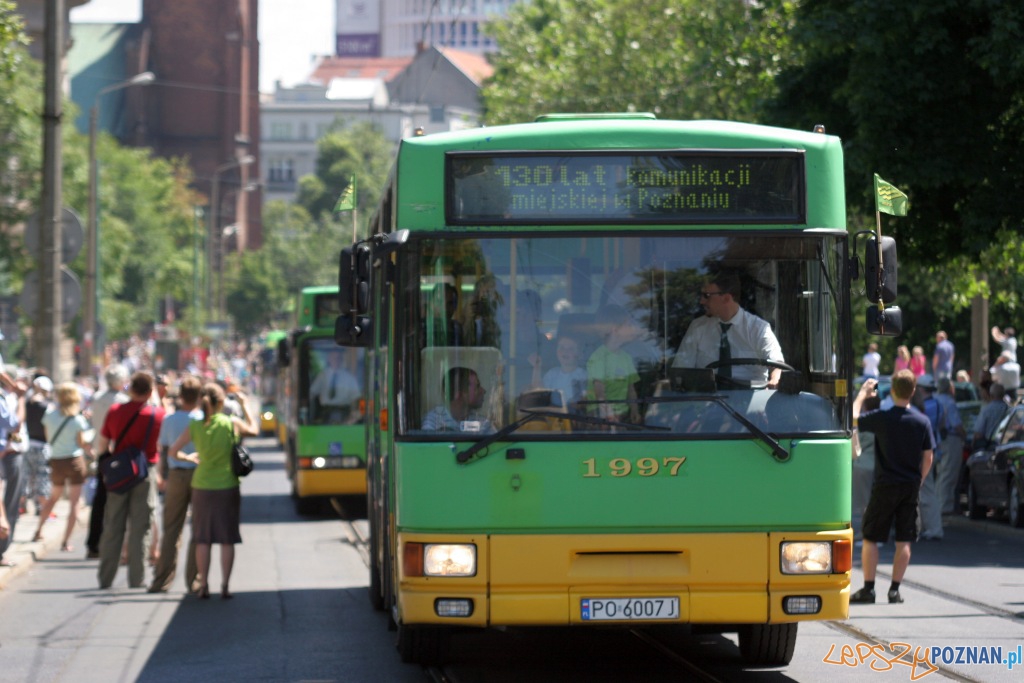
(361, 151)
(302, 241)
(928, 94)
(146, 233)
(20, 133)
(253, 305)
(676, 58)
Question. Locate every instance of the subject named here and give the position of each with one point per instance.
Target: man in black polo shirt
(904, 449)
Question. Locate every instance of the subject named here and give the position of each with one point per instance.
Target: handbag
(241, 460)
(129, 466)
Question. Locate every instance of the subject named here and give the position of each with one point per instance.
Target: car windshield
(622, 334)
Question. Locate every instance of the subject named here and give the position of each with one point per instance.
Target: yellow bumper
(332, 482)
(541, 580)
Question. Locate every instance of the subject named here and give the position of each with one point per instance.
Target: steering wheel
(745, 383)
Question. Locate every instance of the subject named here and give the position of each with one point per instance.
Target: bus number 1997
(623, 467)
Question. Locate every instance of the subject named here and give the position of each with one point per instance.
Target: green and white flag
(347, 199)
(888, 199)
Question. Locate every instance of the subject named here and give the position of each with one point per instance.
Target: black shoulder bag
(241, 461)
(128, 466)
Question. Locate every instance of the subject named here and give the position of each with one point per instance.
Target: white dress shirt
(749, 337)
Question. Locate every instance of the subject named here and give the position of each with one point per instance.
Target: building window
(280, 130)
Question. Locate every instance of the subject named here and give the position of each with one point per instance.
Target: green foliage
(146, 235)
(12, 39)
(302, 241)
(676, 58)
(928, 94)
(359, 151)
(253, 305)
(20, 135)
(295, 244)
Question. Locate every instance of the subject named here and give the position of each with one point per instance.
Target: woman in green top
(216, 499)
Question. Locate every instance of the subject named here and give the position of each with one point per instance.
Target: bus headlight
(806, 557)
(443, 559)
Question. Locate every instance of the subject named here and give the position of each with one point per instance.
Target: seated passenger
(567, 377)
(726, 332)
(465, 396)
(611, 372)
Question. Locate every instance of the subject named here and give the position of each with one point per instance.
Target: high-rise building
(401, 28)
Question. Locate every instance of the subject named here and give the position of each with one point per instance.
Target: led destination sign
(636, 187)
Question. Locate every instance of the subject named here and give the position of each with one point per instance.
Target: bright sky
(291, 32)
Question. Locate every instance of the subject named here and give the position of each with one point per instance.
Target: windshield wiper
(778, 452)
(531, 415)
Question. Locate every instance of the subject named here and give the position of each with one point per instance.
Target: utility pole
(47, 338)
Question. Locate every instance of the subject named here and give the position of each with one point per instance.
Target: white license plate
(628, 609)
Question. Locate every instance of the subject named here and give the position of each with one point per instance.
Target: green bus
(268, 382)
(320, 405)
(546, 444)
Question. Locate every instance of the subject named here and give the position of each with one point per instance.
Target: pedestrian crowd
(909, 447)
(52, 438)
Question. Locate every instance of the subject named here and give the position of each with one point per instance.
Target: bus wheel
(423, 644)
(307, 507)
(767, 644)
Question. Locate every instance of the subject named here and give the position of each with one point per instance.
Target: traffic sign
(71, 295)
(72, 236)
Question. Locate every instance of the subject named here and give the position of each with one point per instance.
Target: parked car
(995, 474)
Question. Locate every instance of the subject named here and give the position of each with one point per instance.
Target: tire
(423, 644)
(767, 644)
(307, 507)
(1014, 505)
(974, 510)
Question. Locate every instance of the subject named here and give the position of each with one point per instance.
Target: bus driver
(728, 331)
(336, 391)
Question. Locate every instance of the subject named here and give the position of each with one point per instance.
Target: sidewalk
(24, 551)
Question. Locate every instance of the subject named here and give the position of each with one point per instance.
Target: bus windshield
(623, 333)
(332, 383)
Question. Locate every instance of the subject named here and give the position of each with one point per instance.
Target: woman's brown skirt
(216, 515)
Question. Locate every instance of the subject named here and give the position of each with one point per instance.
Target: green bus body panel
(331, 440)
(421, 195)
(721, 486)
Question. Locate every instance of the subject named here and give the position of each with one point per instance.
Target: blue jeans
(10, 471)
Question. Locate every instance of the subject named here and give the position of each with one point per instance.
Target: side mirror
(284, 355)
(880, 288)
(351, 329)
(885, 323)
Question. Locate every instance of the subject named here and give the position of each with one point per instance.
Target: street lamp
(92, 228)
(214, 240)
